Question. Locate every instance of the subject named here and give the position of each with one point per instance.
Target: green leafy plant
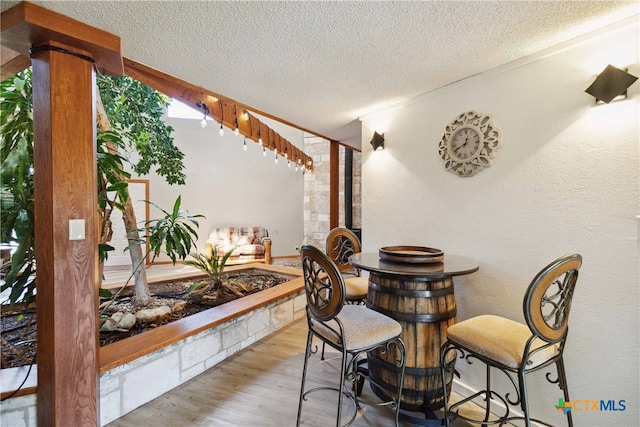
(135, 124)
(211, 264)
(174, 233)
(135, 112)
(16, 190)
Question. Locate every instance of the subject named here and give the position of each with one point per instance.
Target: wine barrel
(425, 309)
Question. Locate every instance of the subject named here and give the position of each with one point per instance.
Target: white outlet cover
(76, 229)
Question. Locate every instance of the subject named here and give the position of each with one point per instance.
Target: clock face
(464, 144)
(469, 143)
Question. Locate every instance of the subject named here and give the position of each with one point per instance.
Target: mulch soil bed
(19, 329)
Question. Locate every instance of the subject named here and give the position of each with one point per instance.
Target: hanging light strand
(298, 161)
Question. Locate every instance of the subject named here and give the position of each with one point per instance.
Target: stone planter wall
(133, 384)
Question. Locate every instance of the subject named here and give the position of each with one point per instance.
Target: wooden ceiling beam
(223, 110)
(12, 63)
(26, 25)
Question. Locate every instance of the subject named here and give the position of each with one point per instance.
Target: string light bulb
(203, 122)
(221, 131)
(288, 162)
(276, 157)
(264, 152)
(237, 131)
(244, 146)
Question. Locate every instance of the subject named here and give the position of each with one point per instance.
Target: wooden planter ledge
(126, 350)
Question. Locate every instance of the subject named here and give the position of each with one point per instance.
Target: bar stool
(514, 348)
(351, 329)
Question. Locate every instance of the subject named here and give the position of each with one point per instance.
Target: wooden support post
(334, 184)
(65, 189)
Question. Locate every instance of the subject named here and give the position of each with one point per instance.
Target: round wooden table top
(451, 265)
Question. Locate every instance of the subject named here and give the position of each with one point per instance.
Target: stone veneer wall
(133, 384)
(316, 192)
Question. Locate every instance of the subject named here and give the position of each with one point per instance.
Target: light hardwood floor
(258, 386)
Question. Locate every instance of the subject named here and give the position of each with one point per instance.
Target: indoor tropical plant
(130, 120)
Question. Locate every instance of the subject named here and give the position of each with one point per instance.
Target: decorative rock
(119, 321)
(151, 315)
(179, 306)
(127, 321)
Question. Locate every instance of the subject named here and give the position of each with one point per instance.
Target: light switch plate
(76, 229)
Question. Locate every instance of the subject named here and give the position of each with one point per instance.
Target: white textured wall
(232, 187)
(565, 180)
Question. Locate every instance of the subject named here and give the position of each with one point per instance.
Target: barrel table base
(425, 309)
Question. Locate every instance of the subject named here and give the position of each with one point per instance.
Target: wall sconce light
(611, 84)
(377, 142)
(202, 105)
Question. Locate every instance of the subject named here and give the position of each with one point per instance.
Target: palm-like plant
(211, 264)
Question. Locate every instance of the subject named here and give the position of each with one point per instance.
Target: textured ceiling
(322, 64)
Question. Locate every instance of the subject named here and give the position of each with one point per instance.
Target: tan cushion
(356, 288)
(363, 327)
(499, 339)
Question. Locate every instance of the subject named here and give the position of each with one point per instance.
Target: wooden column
(334, 184)
(65, 189)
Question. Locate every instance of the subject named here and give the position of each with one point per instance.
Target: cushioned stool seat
(356, 288)
(363, 327)
(499, 339)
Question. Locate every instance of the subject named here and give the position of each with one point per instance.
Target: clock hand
(466, 140)
(455, 150)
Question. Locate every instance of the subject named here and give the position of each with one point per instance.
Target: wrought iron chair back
(341, 244)
(548, 298)
(324, 286)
